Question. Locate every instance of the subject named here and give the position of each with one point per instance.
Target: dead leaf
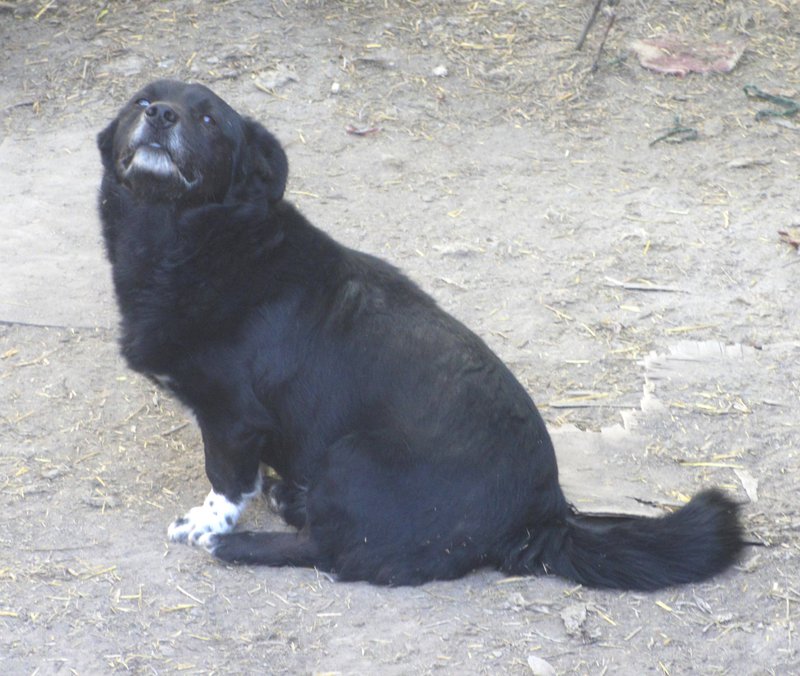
(677, 55)
(791, 236)
(540, 667)
(276, 78)
(747, 162)
(749, 483)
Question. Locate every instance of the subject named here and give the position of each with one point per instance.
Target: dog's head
(178, 142)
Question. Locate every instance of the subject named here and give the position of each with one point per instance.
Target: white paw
(216, 515)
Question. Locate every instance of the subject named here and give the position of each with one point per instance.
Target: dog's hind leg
(266, 549)
(288, 500)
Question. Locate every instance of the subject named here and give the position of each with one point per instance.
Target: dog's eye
(207, 119)
(143, 103)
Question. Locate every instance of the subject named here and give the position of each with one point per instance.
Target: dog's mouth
(155, 161)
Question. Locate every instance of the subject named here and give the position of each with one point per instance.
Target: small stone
(53, 473)
(100, 501)
(441, 71)
(574, 617)
(336, 88)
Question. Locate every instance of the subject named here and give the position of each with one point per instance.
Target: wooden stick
(588, 25)
(612, 16)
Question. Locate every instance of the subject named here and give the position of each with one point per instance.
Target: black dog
(406, 450)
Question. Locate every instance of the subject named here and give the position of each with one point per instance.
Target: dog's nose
(161, 115)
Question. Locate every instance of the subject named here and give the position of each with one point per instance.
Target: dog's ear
(105, 142)
(263, 167)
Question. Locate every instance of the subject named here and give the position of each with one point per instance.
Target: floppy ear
(105, 142)
(263, 167)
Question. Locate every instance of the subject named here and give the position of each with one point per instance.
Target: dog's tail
(698, 541)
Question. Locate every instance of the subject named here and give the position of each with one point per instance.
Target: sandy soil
(521, 189)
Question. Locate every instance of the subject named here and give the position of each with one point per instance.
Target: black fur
(406, 450)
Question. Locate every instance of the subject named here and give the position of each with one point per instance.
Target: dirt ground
(623, 282)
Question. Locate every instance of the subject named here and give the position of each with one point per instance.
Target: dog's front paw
(216, 515)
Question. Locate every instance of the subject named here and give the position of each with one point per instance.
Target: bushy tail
(696, 542)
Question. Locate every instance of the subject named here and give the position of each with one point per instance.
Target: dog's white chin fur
(159, 165)
(153, 161)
